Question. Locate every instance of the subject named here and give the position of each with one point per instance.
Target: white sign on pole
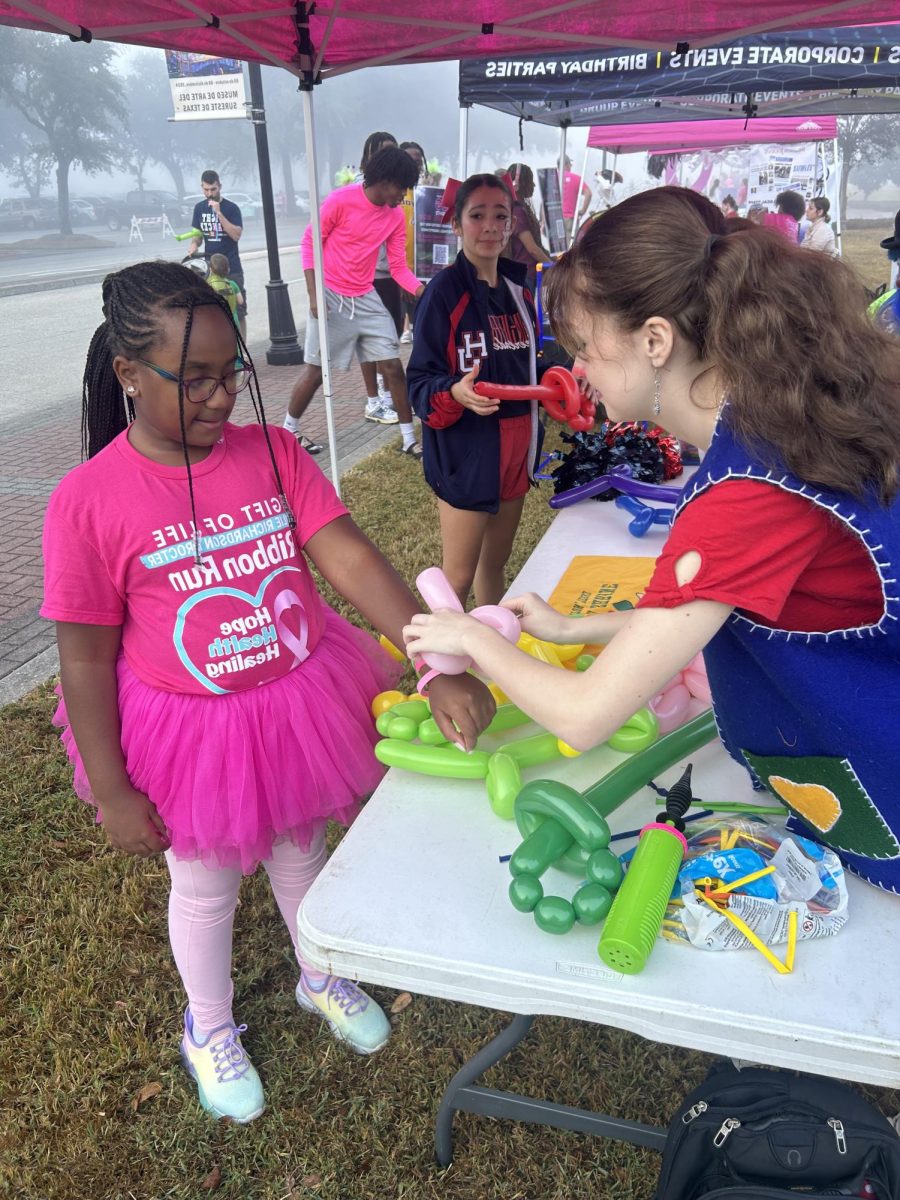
(205, 88)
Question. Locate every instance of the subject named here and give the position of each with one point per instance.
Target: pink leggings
(201, 917)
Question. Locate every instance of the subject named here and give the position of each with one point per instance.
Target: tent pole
(838, 215)
(577, 223)
(313, 170)
(463, 141)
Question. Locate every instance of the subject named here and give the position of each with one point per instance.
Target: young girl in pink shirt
(215, 708)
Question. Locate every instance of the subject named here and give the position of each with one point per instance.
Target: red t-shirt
(775, 555)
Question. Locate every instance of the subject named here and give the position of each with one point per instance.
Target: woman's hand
(463, 392)
(132, 824)
(462, 707)
(540, 620)
(443, 632)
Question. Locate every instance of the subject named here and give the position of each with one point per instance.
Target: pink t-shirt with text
(119, 550)
(353, 232)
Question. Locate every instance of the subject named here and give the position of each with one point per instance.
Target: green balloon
(429, 734)
(604, 868)
(583, 661)
(524, 892)
(383, 722)
(403, 728)
(591, 903)
(553, 914)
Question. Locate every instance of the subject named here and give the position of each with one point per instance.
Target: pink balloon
(435, 589)
(696, 680)
(670, 707)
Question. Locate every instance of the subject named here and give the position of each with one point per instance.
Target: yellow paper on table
(601, 583)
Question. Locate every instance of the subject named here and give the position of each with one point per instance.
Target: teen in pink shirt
(356, 222)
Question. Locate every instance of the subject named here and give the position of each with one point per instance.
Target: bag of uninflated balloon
(747, 874)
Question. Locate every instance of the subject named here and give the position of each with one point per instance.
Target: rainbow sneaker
(353, 1016)
(227, 1082)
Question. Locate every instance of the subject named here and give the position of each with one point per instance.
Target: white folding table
(429, 849)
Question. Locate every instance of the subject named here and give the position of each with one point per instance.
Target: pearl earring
(130, 390)
(656, 393)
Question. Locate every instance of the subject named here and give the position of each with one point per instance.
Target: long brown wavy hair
(810, 380)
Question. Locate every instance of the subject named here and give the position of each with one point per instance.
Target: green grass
(90, 1009)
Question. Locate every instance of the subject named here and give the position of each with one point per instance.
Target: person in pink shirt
(216, 710)
(356, 221)
(576, 197)
(789, 211)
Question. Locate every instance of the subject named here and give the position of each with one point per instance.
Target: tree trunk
(287, 174)
(846, 167)
(174, 169)
(62, 192)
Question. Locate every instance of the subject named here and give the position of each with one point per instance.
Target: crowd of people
(217, 711)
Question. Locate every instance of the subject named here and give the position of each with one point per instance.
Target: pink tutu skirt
(231, 775)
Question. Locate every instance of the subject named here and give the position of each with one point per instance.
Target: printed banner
(579, 84)
(205, 88)
(435, 241)
(548, 178)
(600, 583)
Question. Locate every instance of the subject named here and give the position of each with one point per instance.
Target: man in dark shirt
(221, 225)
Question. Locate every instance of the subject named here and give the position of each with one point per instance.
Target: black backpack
(758, 1134)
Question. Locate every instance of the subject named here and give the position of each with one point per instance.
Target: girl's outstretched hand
(462, 708)
(539, 619)
(132, 824)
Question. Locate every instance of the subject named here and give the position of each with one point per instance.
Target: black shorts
(391, 295)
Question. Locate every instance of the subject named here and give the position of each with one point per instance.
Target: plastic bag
(806, 878)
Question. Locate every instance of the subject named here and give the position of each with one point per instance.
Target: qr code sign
(441, 256)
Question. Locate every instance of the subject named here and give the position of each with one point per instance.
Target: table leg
(462, 1096)
(507, 1039)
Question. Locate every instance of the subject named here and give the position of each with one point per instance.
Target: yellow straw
(736, 883)
(751, 937)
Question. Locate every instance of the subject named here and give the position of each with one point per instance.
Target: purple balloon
(623, 483)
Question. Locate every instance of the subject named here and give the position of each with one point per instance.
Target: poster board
(435, 243)
(548, 178)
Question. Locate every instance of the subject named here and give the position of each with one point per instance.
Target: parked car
(81, 211)
(250, 206)
(117, 213)
(21, 213)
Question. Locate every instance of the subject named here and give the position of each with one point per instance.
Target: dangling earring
(656, 393)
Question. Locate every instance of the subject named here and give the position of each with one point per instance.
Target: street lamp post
(284, 349)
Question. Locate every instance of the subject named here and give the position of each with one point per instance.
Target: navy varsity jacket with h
(461, 451)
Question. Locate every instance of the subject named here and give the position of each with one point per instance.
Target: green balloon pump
(636, 916)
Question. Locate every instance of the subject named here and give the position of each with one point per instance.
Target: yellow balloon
(542, 651)
(566, 750)
(498, 693)
(387, 644)
(385, 700)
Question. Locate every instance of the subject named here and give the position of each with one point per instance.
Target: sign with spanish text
(205, 88)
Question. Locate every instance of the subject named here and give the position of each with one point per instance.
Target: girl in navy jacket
(476, 321)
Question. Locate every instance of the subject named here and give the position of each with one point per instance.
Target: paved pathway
(37, 449)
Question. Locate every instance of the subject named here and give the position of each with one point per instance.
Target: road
(46, 334)
(73, 263)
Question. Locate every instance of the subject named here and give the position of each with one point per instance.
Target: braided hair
(133, 300)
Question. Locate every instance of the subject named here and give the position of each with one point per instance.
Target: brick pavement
(37, 450)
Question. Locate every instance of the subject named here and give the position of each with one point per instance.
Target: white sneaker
(406, 337)
(382, 414)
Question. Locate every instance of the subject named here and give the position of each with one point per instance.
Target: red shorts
(515, 446)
